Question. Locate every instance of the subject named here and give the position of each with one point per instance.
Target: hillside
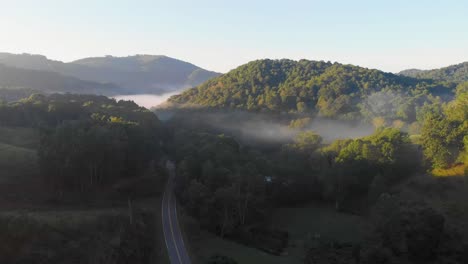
(15, 94)
(330, 89)
(135, 74)
(17, 82)
(454, 73)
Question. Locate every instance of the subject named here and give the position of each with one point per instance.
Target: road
(171, 229)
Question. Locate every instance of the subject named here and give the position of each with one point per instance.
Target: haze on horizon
(390, 36)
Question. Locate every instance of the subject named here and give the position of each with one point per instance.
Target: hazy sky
(220, 35)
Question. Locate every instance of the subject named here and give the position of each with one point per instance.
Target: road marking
(164, 229)
(181, 237)
(172, 230)
(168, 197)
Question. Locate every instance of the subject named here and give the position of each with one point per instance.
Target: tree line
(87, 142)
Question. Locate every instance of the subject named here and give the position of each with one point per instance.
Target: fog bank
(146, 100)
(253, 127)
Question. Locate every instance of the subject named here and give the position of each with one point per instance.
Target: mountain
(16, 82)
(135, 74)
(455, 73)
(147, 73)
(330, 89)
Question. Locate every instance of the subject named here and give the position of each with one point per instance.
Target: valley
(280, 178)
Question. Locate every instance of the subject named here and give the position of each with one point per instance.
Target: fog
(146, 100)
(384, 103)
(331, 130)
(250, 126)
(264, 128)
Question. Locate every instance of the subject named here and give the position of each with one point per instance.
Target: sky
(221, 35)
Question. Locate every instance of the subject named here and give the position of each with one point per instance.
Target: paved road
(172, 234)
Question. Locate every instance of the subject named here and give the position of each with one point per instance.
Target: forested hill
(330, 89)
(454, 73)
(17, 81)
(136, 74)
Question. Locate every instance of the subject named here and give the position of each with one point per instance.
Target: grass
(19, 137)
(18, 157)
(78, 236)
(302, 224)
(73, 225)
(154, 205)
(318, 222)
(19, 168)
(202, 245)
(206, 245)
(16, 163)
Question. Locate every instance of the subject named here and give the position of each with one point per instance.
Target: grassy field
(16, 163)
(318, 222)
(303, 225)
(19, 137)
(205, 245)
(19, 168)
(18, 158)
(80, 236)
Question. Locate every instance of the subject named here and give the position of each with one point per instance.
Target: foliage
(331, 90)
(300, 123)
(222, 184)
(368, 164)
(408, 227)
(104, 236)
(458, 170)
(444, 130)
(87, 142)
(307, 141)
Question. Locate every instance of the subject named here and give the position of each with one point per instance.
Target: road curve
(171, 229)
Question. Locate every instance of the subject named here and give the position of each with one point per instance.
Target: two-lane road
(171, 229)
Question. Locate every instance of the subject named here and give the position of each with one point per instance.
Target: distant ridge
(455, 73)
(15, 82)
(153, 74)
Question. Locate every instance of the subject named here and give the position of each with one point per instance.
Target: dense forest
(87, 142)
(245, 144)
(232, 185)
(330, 90)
